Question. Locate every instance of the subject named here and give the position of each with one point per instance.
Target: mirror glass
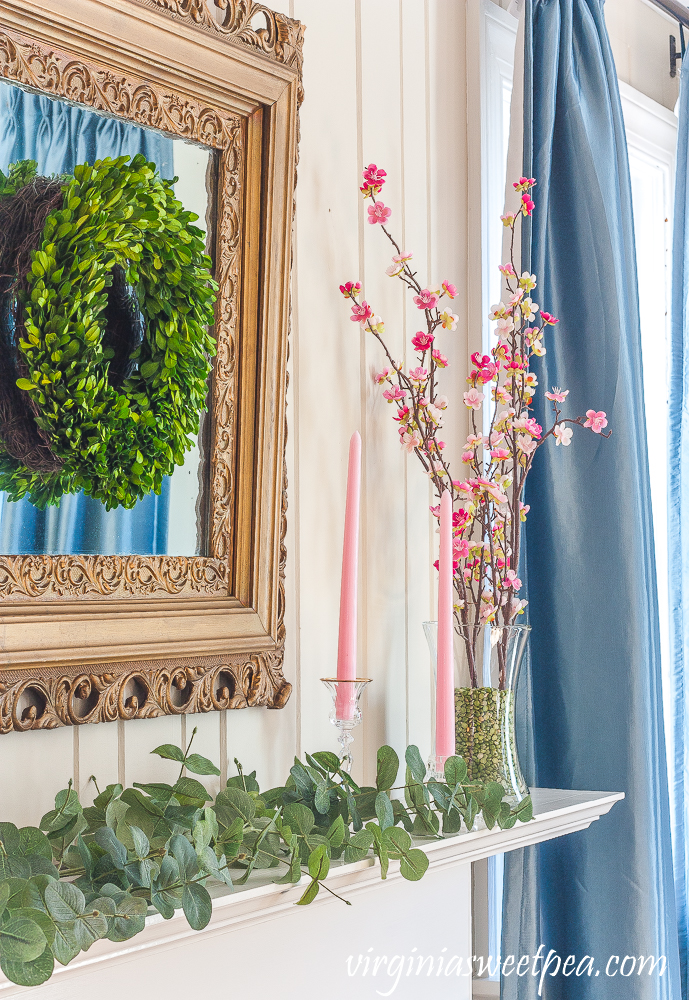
(60, 136)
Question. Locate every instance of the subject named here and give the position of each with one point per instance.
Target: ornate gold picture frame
(96, 638)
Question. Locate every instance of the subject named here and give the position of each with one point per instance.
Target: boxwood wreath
(95, 872)
(107, 313)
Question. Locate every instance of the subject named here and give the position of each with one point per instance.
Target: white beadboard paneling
(417, 231)
(263, 740)
(98, 756)
(383, 508)
(207, 743)
(141, 736)
(325, 349)
(34, 767)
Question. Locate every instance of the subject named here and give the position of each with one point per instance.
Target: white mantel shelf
(556, 813)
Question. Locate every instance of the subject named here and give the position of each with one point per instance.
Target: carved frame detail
(50, 695)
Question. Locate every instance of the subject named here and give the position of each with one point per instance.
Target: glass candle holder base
(346, 712)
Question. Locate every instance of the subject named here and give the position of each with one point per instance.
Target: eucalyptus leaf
(197, 905)
(106, 838)
(319, 862)
(388, 764)
(185, 856)
(32, 973)
(384, 811)
(415, 763)
(64, 901)
(310, 893)
(21, 940)
(200, 765)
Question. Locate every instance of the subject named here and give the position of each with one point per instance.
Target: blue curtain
(595, 675)
(678, 522)
(59, 136)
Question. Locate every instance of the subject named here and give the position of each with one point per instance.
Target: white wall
(640, 39)
(384, 82)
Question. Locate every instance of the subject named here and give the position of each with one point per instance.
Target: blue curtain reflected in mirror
(59, 137)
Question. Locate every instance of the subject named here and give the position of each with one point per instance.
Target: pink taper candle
(347, 644)
(444, 703)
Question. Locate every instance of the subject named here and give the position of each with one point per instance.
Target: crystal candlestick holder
(346, 712)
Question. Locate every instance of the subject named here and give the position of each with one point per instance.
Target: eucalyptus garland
(114, 442)
(95, 872)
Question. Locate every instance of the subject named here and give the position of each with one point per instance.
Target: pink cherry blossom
(512, 580)
(449, 289)
(527, 282)
(527, 204)
(524, 183)
(393, 393)
(460, 547)
(507, 270)
(525, 443)
(394, 269)
(440, 359)
(402, 414)
(516, 608)
(449, 320)
(508, 219)
(374, 178)
(596, 420)
(378, 213)
(351, 289)
(498, 454)
(402, 257)
(381, 376)
(562, 434)
(473, 398)
(361, 313)
(426, 299)
(557, 395)
(467, 456)
(422, 341)
(549, 318)
(411, 440)
(418, 374)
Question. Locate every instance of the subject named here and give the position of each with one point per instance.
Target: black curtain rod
(676, 10)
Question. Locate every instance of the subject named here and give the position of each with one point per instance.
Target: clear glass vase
(488, 660)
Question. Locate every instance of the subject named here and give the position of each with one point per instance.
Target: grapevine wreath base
(106, 305)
